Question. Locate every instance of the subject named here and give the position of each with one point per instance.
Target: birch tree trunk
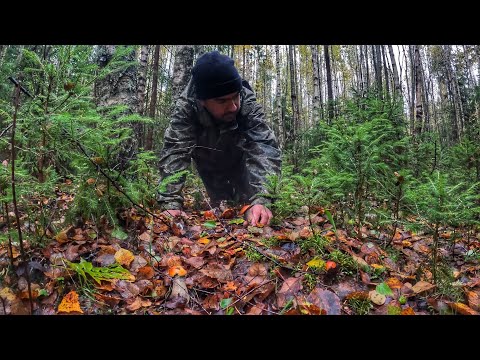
(182, 69)
(396, 79)
(316, 85)
(153, 98)
(142, 78)
(329, 84)
(278, 119)
(291, 136)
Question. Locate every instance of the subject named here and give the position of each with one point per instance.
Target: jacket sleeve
(176, 155)
(263, 155)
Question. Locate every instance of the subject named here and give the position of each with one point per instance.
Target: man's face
(224, 108)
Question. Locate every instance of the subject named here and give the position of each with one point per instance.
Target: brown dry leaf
(294, 235)
(158, 228)
(394, 283)
(325, 300)
(173, 260)
(217, 271)
(62, 236)
(138, 262)
(15, 252)
(126, 289)
(135, 304)
(145, 236)
(305, 233)
(177, 270)
(407, 311)
(178, 229)
(310, 309)
(196, 261)
(397, 237)
(462, 308)
(91, 181)
(145, 272)
(124, 257)
(357, 295)
(288, 291)
(230, 286)
(7, 294)
(105, 285)
(70, 304)
(368, 248)
(34, 288)
(360, 261)
(255, 309)
(473, 299)
(422, 286)
(421, 248)
(406, 243)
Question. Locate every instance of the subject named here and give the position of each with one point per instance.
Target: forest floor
(211, 263)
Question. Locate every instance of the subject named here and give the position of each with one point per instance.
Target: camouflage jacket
(217, 147)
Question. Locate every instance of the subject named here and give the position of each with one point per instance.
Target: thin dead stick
(18, 88)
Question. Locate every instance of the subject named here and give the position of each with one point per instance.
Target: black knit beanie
(215, 75)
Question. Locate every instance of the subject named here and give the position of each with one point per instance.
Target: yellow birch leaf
(124, 257)
(70, 303)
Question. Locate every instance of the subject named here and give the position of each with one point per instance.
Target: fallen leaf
(124, 257)
(473, 300)
(408, 311)
(325, 300)
(196, 261)
(394, 283)
(421, 287)
(62, 237)
(7, 294)
(70, 304)
(145, 272)
(290, 287)
(462, 308)
(357, 295)
(145, 236)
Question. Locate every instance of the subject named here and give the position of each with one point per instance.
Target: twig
(5, 130)
(18, 87)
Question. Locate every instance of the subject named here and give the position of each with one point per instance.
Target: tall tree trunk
(182, 69)
(316, 85)
(419, 108)
(396, 79)
(367, 69)
(3, 50)
(153, 97)
(278, 119)
(120, 87)
(385, 69)
(292, 136)
(329, 84)
(377, 63)
(142, 78)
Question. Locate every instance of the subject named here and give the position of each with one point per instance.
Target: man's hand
(174, 213)
(258, 214)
